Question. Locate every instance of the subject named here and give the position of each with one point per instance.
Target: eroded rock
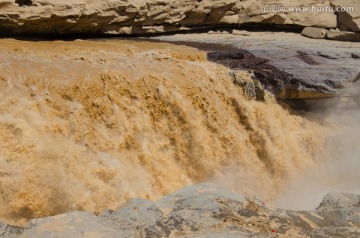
(73, 224)
(241, 32)
(314, 32)
(340, 210)
(204, 210)
(343, 36)
(145, 16)
(278, 12)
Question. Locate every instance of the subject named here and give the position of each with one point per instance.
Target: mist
(338, 169)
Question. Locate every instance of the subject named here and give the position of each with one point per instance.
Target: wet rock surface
(289, 65)
(284, 85)
(203, 210)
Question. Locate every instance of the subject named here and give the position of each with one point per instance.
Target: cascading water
(88, 125)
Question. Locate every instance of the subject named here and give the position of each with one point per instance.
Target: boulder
(314, 32)
(187, 210)
(203, 210)
(340, 210)
(343, 36)
(348, 19)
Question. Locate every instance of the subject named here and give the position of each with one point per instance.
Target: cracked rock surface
(202, 210)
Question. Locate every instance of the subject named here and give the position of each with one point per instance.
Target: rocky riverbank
(203, 210)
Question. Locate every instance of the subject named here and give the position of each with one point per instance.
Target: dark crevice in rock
(273, 27)
(24, 2)
(355, 56)
(289, 57)
(306, 58)
(327, 56)
(247, 213)
(72, 33)
(230, 55)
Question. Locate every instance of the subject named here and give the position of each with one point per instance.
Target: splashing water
(88, 125)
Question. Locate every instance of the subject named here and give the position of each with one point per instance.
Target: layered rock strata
(145, 16)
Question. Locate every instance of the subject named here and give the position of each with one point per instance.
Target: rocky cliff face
(157, 16)
(203, 210)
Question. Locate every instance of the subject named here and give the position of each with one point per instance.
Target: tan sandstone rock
(157, 16)
(314, 32)
(241, 33)
(343, 36)
(261, 12)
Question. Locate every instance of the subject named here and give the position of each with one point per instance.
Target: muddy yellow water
(88, 125)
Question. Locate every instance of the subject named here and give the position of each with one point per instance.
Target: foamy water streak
(88, 125)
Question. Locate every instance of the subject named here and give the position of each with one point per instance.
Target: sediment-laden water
(89, 125)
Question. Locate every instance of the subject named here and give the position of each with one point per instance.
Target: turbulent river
(89, 125)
